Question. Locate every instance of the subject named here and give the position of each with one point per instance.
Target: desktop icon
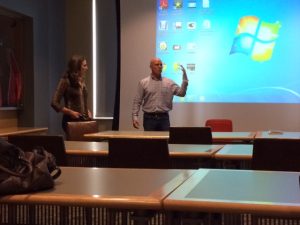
(191, 46)
(177, 4)
(164, 67)
(177, 25)
(191, 66)
(255, 38)
(206, 24)
(192, 4)
(205, 4)
(163, 46)
(176, 66)
(163, 4)
(163, 25)
(191, 25)
(176, 47)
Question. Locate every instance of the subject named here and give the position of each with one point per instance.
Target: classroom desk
(217, 136)
(87, 153)
(176, 150)
(263, 193)
(82, 153)
(235, 152)
(4, 132)
(104, 135)
(191, 150)
(92, 148)
(278, 135)
(119, 190)
(233, 137)
(236, 156)
(191, 156)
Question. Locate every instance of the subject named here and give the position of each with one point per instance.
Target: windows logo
(255, 38)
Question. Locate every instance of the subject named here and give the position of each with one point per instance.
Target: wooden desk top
(238, 191)
(108, 187)
(189, 150)
(175, 150)
(278, 134)
(4, 132)
(225, 136)
(86, 148)
(128, 134)
(233, 136)
(235, 152)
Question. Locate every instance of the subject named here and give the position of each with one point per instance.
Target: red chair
(219, 125)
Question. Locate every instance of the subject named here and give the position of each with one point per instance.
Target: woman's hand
(89, 114)
(74, 114)
(71, 113)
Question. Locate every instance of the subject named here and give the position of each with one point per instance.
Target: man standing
(155, 95)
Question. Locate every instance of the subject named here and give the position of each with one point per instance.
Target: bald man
(155, 95)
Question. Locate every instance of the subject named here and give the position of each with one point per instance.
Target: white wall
(138, 47)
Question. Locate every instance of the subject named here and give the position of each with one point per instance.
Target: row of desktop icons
(176, 67)
(190, 47)
(178, 4)
(191, 25)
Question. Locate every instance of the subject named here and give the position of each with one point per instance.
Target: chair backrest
(138, 153)
(75, 130)
(190, 135)
(276, 154)
(53, 144)
(219, 125)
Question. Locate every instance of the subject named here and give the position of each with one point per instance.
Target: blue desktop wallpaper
(234, 51)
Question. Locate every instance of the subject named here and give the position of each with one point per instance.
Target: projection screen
(240, 56)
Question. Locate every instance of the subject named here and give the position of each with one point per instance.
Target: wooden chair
(190, 135)
(219, 125)
(53, 144)
(138, 153)
(276, 154)
(76, 130)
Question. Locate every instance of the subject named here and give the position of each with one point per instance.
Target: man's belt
(156, 114)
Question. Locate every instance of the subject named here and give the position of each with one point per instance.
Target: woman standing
(72, 89)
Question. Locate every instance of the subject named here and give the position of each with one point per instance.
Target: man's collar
(155, 78)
